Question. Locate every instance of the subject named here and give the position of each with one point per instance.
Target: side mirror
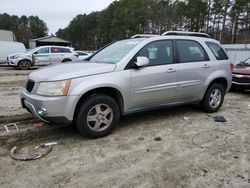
(35, 53)
(142, 61)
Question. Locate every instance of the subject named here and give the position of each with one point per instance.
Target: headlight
(15, 56)
(57, 88)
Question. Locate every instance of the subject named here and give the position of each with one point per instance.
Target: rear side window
(190, 51)
(217, 50)
(59, 50)
(65, 50)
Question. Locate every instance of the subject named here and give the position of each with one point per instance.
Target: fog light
(41, 111)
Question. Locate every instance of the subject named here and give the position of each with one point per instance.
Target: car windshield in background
(115, 52)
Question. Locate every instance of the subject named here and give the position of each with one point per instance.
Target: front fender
(80, 86)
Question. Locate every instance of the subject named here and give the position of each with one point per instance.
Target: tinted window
(190, 51)
(59, 50)
(158, 53)
(43, 50)
(65, 50)
(217, 50)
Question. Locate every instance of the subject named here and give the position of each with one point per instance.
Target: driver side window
(43, 50)
(158, 52)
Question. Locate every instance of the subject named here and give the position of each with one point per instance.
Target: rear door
(155, 83)
(57, 54)
(193, 69)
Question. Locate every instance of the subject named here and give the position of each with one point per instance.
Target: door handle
(206, 66)
(171, 70)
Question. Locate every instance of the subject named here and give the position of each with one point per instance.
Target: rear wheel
(24, 64)
(213, 98)
(97, 116)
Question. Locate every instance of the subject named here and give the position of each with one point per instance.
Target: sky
(56, 13)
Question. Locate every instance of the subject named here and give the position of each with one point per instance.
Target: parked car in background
(241, 75)
(43, 55)
(7, 48)
(129, 76)
(82, 55)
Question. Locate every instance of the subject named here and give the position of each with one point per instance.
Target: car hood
(70, 70)
(242, 69)
(18, 54)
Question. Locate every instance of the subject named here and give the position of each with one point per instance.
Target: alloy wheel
(99, 117)
(215, 98)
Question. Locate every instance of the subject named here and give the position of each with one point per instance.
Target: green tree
(24, 27)
(37, 26)
(225, 20)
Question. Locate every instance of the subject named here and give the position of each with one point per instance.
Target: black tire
(66, 60)
(233, 88)
(24, 64)
(88, 108)
(210, 103)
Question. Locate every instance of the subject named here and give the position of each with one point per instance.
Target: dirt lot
(173, 147)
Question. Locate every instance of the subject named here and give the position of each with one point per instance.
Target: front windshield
(115, 52)
(32, 50)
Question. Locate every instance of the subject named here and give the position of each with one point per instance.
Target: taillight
(231, 67)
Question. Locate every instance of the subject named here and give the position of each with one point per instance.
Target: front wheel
(24, 65)
(97, 116)
(213, 98)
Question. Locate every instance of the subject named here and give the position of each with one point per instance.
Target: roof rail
(143, 36)
(186, 33)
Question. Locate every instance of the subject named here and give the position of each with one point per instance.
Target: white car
(82, 55)
(42, 55)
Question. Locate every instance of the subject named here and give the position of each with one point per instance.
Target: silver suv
(129, 76)
(42, 55)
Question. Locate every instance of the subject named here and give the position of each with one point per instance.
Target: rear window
(217, 50)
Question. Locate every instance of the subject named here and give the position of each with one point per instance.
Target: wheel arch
(24, 60)
(66, 60)
(220, 80)
(109, 91)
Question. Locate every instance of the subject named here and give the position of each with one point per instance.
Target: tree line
(225, 20)
(24, 27)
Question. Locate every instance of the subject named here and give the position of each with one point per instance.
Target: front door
(155, 83)
(42, 56)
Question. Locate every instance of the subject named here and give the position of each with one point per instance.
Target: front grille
(29, 86)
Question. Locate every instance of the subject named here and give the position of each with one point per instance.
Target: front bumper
(13, 62)
(55, 108)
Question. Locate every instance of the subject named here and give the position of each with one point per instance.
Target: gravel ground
(172, 147)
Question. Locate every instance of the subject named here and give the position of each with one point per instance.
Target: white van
(7, 48)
